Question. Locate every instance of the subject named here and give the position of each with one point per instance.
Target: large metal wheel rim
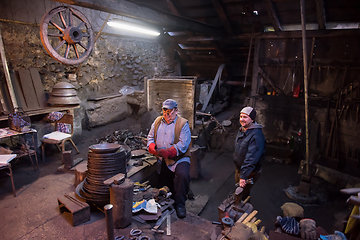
(70, 43)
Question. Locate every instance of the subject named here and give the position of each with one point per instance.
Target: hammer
(248, 181)
(239, 190)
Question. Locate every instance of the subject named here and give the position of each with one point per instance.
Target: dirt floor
(215, 183)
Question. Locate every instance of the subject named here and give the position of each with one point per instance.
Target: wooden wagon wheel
(67, 35)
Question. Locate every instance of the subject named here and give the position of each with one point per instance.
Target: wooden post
(7, 76)
(216, 80)
(249, 54)
(255, 76)
(121, 197)
(302, 8)
(194, 162)
(146, 91)
(80, 173)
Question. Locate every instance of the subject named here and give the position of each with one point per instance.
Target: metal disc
(227, 221)
(138, 153)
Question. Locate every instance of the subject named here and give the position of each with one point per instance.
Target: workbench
(144, 171)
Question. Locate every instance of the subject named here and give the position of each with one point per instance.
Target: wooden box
(77, 211)
(181, 89)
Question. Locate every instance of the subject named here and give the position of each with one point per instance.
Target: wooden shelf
(44, 111)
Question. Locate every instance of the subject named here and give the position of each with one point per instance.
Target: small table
(6, 132)
(5, 164)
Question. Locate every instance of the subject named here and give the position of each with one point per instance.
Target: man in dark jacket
(249, 150)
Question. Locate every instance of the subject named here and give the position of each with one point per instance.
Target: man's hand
(168, 153)
(242, 183)
(152, 150)
(308, 229)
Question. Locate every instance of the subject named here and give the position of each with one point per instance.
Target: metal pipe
(109, 221)
(303, 31)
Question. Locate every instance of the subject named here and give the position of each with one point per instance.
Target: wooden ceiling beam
(320, 12)
(194, 48)
(182, 39)
(297, 34)
(183, 55)
(146, 14)
(198, 7)
(272, 15)
(219, 50)
(222, 15)
(207, 63)
(175, 11)
(269, 35)
(172, 7)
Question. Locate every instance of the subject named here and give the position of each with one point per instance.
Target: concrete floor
(34, 212)
(268, 195)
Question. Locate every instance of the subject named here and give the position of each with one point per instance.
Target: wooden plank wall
(181, 90)
(29, 89)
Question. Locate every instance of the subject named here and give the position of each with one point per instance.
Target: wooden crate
(181, 89)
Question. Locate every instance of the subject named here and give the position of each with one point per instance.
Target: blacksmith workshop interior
(83, 83)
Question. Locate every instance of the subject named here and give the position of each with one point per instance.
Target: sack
(18, 120)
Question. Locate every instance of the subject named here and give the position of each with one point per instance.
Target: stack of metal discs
(104, 161)
(63, 93)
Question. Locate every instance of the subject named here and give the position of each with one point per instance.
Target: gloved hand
(288, 224)
(308, 229)
(168, 153)
(152, 150)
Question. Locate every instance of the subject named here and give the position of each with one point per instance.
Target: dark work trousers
(246, 192)
(178, 182)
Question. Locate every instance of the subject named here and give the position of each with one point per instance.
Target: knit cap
(249, 111)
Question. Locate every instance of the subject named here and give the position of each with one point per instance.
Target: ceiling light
(133, 27)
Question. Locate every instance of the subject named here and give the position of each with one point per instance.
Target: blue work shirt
(165, 139)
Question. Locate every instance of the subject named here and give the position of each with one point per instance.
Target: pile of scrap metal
(125, 137)
(237, 220)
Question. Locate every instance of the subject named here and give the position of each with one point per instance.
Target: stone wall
(115, 62)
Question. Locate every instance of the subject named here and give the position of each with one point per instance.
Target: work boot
(180, 211)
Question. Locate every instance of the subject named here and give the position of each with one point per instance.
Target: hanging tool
(286, 81)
